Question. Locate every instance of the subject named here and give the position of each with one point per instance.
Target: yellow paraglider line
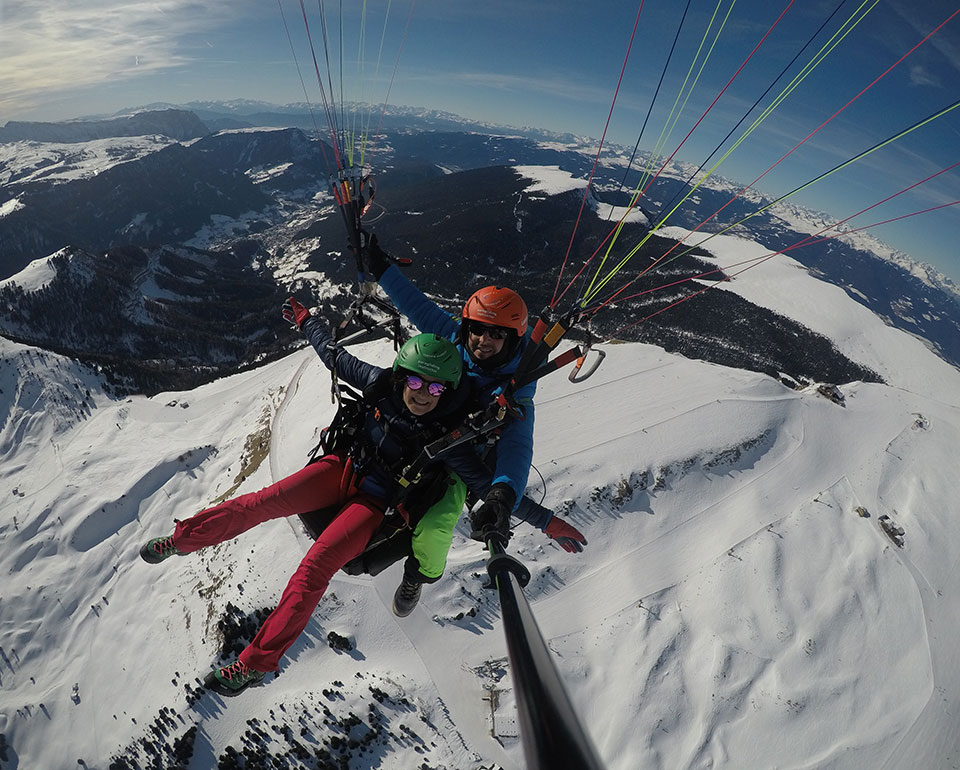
(670, 122)
(860, 156)
(592, 290)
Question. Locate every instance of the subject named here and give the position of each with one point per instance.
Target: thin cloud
(53, 48)
(921, 76)
(922, 21)
(555, 87)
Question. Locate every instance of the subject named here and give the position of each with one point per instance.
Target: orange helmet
(497, 306)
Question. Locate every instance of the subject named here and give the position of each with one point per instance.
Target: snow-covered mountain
(248, 211)
(418, 119)
(174, 123)
(731, 609)
(248, 186)
(744, 600)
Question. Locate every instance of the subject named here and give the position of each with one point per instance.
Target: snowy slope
(783, 284)
(28, 161)
(731, 609)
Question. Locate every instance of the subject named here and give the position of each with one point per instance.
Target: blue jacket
(391, 436)
(515, 447)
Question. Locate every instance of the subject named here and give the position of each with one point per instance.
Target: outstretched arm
(415, 305)
(348, 367)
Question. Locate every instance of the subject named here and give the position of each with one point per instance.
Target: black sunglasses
(433, 388)
(493, 332)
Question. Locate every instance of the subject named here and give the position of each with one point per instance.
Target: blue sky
(552, 64)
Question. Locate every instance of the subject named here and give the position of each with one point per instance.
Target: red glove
(568, 537)
(295, 313)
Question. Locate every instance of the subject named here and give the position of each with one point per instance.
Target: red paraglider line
(807, 241)
(596, 160)
(790, 152)
(667, 161)
(761, 260)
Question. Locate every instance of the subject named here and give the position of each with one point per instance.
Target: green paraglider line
(350, 143)
(365, 123)
(761, 260)
(596, 160)
(393, 76)
(752, 107)
(804, 186)
(337, 125)
(643, 128)
(361, 52)
(783, 157)
(807, 69)
(348, 148)
(674, 115)
(616, 232)
(653, 101)
(808, 240)
(671, 122)
(836, 168)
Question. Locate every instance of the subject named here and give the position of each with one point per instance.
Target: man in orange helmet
(491, 335)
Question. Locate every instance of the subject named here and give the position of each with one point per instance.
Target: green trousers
(433, 534)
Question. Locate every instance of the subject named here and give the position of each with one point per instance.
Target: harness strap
(489, 422)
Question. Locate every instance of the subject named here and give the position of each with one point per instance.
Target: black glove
(495, 512)
(375, 260)
(295, 313)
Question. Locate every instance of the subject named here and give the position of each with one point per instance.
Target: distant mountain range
(175, 123)
(172, 254)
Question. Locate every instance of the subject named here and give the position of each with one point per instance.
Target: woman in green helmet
(402, 410)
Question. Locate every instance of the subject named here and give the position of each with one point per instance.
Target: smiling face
(483, 341)
(420, 401)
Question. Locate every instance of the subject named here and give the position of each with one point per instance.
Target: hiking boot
(406, 598)
(232, 679)
(158, 549)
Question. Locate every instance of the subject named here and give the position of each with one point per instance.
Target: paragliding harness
(485, 426)
(343, 437)
(354, 192)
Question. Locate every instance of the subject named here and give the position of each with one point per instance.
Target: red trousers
(318, 485)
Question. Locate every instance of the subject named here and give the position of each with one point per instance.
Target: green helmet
(431, 356)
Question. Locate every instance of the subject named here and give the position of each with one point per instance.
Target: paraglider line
(303, 86)
(754, 105)
(761, 260)
(811, 134)
(806, 241)
(636, 146)
(331, 118)
(586, 191)
(699, 121)
(838, 167)
(396, 65)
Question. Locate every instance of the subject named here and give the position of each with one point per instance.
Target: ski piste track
(707, 530)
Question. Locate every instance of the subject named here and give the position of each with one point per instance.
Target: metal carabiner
(575, 375)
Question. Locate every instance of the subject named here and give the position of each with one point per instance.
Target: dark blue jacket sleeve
(466, 463)
(416, 306)
(348, 367)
